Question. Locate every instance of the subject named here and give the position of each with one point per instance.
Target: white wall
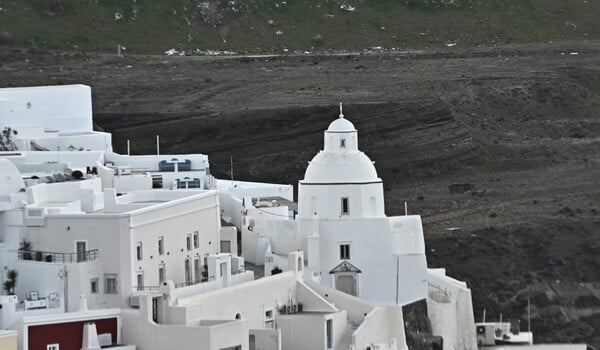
(174, 222)
(65, 107)
(267, 339)
(451, 317)
(11, 179)
(265, 294)
(391, 273)
(383, 325)
(364, 200)
(229, 233)
(147, 335)
(355, 308)
(73, 160)
(308, 330)
(107, 233)
(58, 141)
(87, 193)
(40, 277)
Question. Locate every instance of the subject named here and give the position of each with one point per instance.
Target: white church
(349, 242)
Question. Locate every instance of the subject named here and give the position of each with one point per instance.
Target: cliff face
(518, 124)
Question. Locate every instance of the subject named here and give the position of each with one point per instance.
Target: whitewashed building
(84, 226)
(350, 243)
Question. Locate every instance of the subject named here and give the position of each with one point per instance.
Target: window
(94, 285)
(138, 250)
(197, 271)
(196, 239)
(269, 319)
(188, 242)
(225, 246)
(343, 143)
(345, 210)
(110, 284)
(53, 347)
(161, 274)
(140, 281)
(161, 245)
(344, 251)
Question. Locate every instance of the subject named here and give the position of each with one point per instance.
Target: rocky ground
(519, 124)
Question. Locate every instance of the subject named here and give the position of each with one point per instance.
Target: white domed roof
(329, 167)
(341, 125)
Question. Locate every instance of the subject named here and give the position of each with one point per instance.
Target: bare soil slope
(521, 124)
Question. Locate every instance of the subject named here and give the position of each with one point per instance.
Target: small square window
(110, 284)
(343, 143)
(345, 210)
(53, 347)
(196, 239)
(94, 285)
(344, 251)
(269, 315)
(161, 245)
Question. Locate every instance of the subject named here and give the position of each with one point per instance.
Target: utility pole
(231, 167)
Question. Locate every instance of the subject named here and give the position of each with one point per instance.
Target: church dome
(332, 167)
(340, 161)
(341, 125)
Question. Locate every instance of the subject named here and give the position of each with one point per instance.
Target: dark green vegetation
(252, 26)
(520, 123)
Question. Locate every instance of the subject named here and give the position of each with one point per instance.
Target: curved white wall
(364, 200)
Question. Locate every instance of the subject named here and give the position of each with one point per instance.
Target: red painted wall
(69, 335)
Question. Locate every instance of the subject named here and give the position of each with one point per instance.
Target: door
(346, 284)
(188, 272)
(197, 271)
(155, 310)
(81, 248)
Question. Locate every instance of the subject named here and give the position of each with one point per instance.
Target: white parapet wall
(450, 310)
(266, 339)
(64, 108)
(383, 327)
(139, 329)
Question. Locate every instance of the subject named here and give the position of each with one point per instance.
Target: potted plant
(11, 282)
(26, 249)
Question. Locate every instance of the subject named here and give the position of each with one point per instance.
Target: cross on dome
(341, 113)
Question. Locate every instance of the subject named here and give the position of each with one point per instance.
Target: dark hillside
(273, 26)
(519, 124)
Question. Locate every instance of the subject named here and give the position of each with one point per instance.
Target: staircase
(347, 338)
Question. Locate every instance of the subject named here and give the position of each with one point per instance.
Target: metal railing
(194, 282)
(38, 255)
(439, 294)
(146, 288)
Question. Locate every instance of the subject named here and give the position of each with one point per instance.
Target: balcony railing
(146, 288)
(193, 282)
(38, 255)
